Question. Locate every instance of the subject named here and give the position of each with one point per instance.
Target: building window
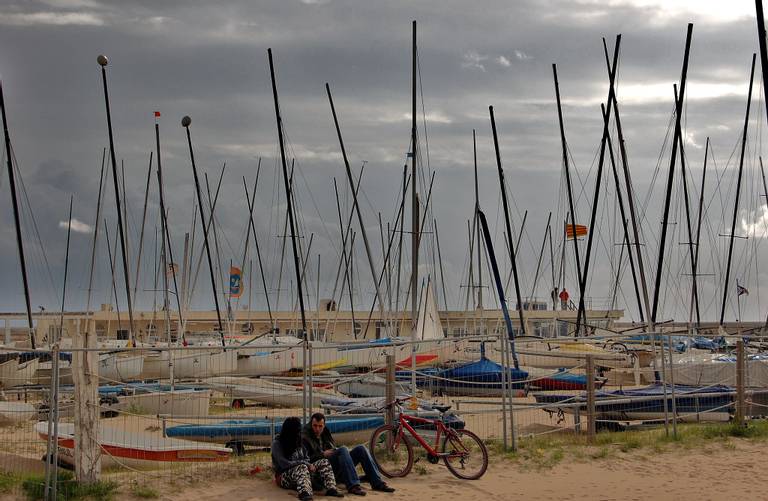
(122, 335)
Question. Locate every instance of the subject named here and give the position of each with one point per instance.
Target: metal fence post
(672, 382)
(740, 390)
(389, 417)
(591, 429)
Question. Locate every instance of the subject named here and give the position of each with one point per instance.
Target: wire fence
(163, 413)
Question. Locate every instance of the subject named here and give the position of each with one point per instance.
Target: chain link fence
(167, 414)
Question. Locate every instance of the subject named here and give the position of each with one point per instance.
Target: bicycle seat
(441, 408)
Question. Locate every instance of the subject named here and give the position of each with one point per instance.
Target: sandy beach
(719, 470)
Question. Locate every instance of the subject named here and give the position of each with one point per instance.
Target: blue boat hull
(647, 404)
(261, 431)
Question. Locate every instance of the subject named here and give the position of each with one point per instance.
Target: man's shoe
(357, 490)
(305, 496)
(383, 487)
(334, 493)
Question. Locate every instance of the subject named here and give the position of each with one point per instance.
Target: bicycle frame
(405, 424)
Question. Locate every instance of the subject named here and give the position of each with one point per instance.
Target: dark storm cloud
(208, 60)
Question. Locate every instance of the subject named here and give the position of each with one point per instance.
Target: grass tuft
(69, 488)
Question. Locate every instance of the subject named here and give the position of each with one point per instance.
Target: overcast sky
(209, 60)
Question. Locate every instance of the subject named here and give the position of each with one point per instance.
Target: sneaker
(334, 493)
(305, 496)
(383, 487)
(357, 490)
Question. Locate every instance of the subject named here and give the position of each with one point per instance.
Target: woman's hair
(290, 435)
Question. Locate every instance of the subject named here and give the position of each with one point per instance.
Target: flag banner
(581, 230)
(235, 281)
(157, 114)
(741, 291)
(173, 269)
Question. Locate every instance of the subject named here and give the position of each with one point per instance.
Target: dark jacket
(316, 445)
(281, 462)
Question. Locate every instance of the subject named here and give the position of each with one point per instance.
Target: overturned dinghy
(239, 389)
(714, 403)
(136, 449)
(260, 432)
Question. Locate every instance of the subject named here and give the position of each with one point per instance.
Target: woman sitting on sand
(293, 469)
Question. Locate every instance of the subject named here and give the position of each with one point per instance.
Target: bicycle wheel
(391, 452)
(467, 456)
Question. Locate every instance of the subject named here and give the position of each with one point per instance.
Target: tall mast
(763, 50)
(694, 287)
(289, 199)
(620, 198)
(185, 122)
(505, 207)
(568, 183)
(166, 230)
(630, 195)
(477, 206)
(16, 220)
(738, 192)
(606, 114)
(103, 61)
(355, 205)
(670, 178)
(414, 199)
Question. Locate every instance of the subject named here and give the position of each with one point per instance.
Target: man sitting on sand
(293, 468)
(319, 444)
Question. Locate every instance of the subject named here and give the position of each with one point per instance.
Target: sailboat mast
(568, 183)
(738, 193)
(289, 199)
(479, 237)
(606, 114)
(185, 122)
(630, 196)
(356, 206)
(102, 60)
(16, 219)
(166, 230)
(505, 207)
(670, 178)
(414, 199)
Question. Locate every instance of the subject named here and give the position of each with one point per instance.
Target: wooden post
(740, 365)
(590, 398)
(85, 374)
(389, 418)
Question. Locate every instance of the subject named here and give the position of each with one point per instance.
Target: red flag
(581, 230)
(157, 114)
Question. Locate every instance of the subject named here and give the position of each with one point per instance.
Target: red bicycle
(463, 453)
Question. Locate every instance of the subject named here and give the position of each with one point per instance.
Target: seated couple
(306, 458)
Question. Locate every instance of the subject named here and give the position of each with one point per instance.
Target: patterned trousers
(300, 478)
